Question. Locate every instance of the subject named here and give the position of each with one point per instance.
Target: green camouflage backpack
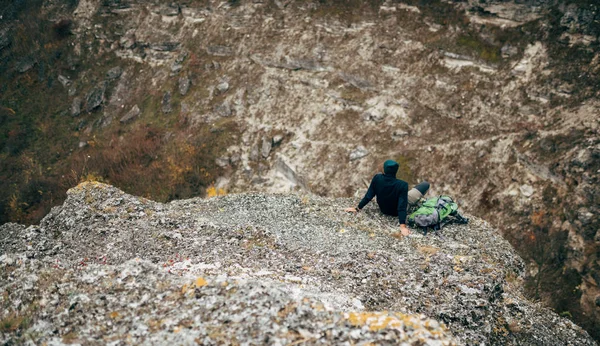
(435, 212)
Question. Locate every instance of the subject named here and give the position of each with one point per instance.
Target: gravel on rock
(110, 268)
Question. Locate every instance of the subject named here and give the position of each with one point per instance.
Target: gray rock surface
(76, 106)
(170, 10)
(176, 68)
(399, 134)
(114, 73)
(356, 81)
(526, 190)
(277, 139)
(166, 103)
(64, 80)
(128, 40)
(5, 38)
(224, 109)
(222, 161)
(131, 115)
(373, 115)
(165, 46)
(25, 64)
(578, 18)
(184, 85)
(106, 266)
(219, 50)
(95, 97)
(358, 153)
(223, 87)
(508, 51)
(497, 94)
(266, 147)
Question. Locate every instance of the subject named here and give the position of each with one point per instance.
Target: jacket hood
(390, 167)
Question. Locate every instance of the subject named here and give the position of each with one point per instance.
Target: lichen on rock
(260, 268)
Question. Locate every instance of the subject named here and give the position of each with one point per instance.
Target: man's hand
(351, 210)
(403, 232)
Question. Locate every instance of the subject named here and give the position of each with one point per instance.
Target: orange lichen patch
(114, 315)
(212, 191)
(92, 184)
(109, 210)
(288, 309)
(184, 289)
(155, 325)
(379, 320)
(487, 270)
(428, 250)
(461, 259)
(318, 307)
(200, 282)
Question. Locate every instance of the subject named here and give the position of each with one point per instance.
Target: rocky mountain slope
(493, 102)
(110, 268)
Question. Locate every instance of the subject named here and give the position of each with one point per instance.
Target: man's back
(391, 192)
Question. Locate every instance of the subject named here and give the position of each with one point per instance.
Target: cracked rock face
(108, 267)
(131, 115)
(95, 97)
(488, 99)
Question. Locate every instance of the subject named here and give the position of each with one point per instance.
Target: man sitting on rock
(392, 194)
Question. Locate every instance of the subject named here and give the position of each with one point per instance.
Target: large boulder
(76, 106)
(114, 73)
(166, 103)
(258, 268)
(131, 115)
(184, 85)
(95, 97)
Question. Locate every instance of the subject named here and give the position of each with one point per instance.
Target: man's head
(390, 167)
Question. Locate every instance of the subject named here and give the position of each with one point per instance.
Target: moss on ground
(404, 171)
(35, 129)
(39, 138)
(479, 48)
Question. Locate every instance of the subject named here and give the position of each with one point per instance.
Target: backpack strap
(461, 219)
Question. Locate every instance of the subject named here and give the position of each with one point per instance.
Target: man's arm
(369, 195)
(366, 199)
(402, 205)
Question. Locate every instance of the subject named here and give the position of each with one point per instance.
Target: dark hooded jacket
(392, 193)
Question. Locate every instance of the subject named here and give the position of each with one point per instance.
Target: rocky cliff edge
(110, 268)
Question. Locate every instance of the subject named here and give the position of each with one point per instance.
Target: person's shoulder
(378, 176)
(402, 183)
